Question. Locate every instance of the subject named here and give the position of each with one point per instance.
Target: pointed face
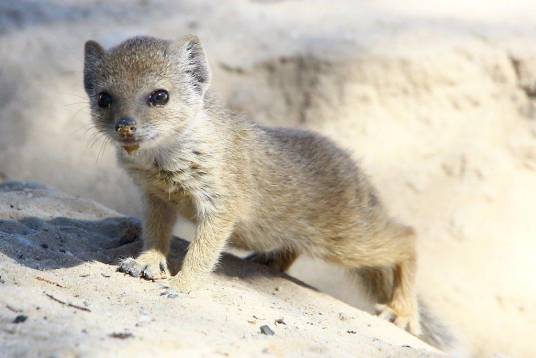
(145, 90)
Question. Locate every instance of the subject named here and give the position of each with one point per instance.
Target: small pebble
(342, 316)
(20, 319)
(170, 293)
(351, 332)
(280, 321)
(121, 335)
(267, 330)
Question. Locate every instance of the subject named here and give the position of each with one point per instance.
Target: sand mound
(61, 295)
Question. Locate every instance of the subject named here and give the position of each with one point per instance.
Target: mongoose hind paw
(279, 261)
(264, 259)
(408, 323)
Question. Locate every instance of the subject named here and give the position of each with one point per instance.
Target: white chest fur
(178, 173)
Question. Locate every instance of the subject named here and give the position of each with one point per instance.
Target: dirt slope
(61, 296)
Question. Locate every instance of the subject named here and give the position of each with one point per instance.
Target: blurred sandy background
(436, 99)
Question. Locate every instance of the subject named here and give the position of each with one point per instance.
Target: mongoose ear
(93, 53)
(194, 64)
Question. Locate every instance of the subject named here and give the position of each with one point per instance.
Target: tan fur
(278, 192)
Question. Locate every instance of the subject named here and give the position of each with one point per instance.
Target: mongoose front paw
(409, 323)
(184, 283)
(148, 266)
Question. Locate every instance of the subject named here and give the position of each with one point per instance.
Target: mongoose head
(145, 90)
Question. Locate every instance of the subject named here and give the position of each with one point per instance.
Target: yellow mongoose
(278, 192)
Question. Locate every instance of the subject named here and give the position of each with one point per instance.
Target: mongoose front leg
(159, 220)
(211, 235)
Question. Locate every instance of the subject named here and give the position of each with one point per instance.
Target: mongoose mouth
(131, 148)
(130, 145)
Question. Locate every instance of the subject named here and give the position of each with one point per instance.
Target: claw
(148, 274)
(385, 312)
(164, 268)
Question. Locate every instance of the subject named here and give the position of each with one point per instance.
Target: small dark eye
(158, 98)
(104, 100)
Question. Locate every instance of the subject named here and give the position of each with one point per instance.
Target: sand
(62, 296)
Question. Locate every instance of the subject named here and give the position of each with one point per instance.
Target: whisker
(95, 137)
(76, 104)
(105, 142)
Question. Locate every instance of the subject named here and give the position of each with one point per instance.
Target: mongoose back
(275, 191)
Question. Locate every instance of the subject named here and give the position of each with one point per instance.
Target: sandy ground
(437, 101)
(62, 296)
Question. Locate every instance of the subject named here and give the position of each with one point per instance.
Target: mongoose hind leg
(278, 260)
(402, 309)
(377, 282)
(388, 272)
(151, 264)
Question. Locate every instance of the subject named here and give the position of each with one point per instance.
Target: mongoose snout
(126, 130)
(125, 127)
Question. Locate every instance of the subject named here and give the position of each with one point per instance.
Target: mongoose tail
(438, 334)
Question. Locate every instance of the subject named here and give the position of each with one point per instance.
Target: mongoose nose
(126, 126)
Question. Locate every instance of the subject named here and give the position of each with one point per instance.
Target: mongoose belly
(260, 237)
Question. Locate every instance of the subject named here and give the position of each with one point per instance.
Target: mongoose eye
(158, 98)
(104, 100)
